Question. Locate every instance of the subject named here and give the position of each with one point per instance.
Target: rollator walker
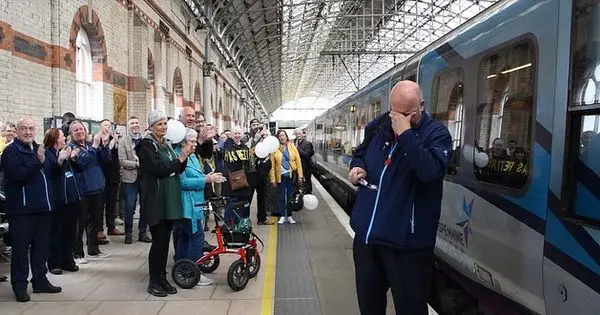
(237, 239)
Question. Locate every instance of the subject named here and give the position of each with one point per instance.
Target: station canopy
(291, 53)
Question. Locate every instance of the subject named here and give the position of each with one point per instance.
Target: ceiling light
(527, 65)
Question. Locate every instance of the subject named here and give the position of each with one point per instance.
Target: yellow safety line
(269, 264)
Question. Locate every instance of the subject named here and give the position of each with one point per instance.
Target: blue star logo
(466, 224)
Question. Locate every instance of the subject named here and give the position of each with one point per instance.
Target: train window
(582, 165)
(586, 171)
(504, 116)
(449, 110)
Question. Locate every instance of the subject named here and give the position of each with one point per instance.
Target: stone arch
(94, 32)
(87, 34)
(197, 97)
(178, 88)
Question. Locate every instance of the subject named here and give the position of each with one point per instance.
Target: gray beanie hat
(154, 116)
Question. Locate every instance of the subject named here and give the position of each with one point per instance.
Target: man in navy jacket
(399, 169)
(28, 207)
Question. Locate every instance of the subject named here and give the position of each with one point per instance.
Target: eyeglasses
(27, 128)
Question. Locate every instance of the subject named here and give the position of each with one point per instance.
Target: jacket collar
(23, 147)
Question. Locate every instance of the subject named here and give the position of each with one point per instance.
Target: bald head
(26, 129)
(405, 98)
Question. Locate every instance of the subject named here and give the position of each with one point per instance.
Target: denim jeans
(286, 191)
(130, 192)
(189, 245)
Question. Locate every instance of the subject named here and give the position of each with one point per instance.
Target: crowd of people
(76, 182)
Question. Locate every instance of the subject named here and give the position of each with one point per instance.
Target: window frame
(571, 155)
(534, 45)
(434, 101)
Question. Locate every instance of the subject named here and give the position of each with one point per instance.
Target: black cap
(253, 120)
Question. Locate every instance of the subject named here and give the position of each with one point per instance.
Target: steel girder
(288, 49)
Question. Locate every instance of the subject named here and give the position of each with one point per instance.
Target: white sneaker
(118, 221)
(204, 281)
(100, 255)
(81, 261)
(281, 220)
(291, 220)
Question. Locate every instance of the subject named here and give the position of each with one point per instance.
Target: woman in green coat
(160, 196)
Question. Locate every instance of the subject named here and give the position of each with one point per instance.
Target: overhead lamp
(352, 108)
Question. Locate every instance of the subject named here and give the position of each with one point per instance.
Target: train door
(494, 207)
(572, 232)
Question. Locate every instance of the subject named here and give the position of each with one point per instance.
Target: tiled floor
(117, 285)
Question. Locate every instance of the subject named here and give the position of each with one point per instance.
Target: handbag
(238, 180)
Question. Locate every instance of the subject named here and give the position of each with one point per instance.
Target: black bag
(296, 203)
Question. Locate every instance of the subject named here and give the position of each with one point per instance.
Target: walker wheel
(210, 265)
(237, 276)
(186, 273)
(253, 258)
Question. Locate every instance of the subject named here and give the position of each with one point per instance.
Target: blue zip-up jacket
(91, 178)
(65, 188)
(405, 209)
(27, 188)
(193, 182)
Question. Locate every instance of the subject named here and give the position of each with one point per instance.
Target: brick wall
(37, 58)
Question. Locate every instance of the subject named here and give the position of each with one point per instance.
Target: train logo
(466, 224)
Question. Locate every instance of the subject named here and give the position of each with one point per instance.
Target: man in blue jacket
(399, 169)
(28, 207)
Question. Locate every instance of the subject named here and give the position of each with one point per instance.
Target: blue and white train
(518, 86)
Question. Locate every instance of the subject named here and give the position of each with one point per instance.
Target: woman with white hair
(160, 196)
(188, 231)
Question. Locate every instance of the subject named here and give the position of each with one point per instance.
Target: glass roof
(289, 49)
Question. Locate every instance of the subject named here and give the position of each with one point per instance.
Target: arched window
(83, 81)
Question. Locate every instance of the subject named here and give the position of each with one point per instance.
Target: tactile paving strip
(295, 290)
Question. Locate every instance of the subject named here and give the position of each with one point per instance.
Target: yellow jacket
(277, 156)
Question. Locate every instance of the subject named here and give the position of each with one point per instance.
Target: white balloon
(261, 150)
(272, 143)
(310, 202)
(481, 159)
(175, 131)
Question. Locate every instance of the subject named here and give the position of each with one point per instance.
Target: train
(517, 86)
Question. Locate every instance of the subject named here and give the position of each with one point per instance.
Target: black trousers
(307, 185)
(407, 273)
(90, 221)
(259, 184)
(159, 251)
(111, 192)
(29, 230)
(64, 229)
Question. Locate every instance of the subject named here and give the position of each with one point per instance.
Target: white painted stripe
(333, 205)
(343, 218)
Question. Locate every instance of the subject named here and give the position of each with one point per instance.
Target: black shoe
(22, 297)
(56, 271)
(156, 290)
(47, 288)
(73, 268)
(128, 239)
(168, 287)
(144, 238)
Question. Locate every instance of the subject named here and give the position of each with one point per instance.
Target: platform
(306, 269)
